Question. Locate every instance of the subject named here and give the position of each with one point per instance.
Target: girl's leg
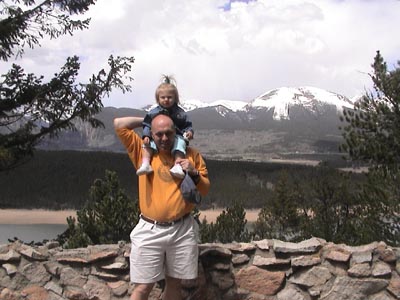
(179, 151)
(177, 170)
(145, 168)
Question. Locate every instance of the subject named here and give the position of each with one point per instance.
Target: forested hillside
(61, 179)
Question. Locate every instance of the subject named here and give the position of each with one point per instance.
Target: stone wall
(267, 269)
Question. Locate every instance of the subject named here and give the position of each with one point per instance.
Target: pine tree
(31, 109)
(107, 217)
(230, 226)
(372, 136)
(279, 217)
(372, 132)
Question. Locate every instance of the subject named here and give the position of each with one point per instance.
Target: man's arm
(128, 122)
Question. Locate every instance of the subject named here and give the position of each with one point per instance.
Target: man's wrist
(195, 175)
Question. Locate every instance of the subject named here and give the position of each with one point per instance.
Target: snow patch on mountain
(192, 104)
(280, 100)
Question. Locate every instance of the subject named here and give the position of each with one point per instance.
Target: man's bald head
(163, 132)
(162, 120)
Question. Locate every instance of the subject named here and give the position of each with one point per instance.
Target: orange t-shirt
(160, 197)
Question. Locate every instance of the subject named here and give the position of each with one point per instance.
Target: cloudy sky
(231, 50)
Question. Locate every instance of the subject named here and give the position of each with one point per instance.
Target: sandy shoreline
(42, 216)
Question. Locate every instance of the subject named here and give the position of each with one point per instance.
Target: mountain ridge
(280, 100)
(282, 121)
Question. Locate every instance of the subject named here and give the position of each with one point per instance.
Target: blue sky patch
(227, 6)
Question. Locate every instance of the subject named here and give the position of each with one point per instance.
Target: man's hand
(187, 166)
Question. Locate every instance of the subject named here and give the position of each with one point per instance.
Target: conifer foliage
(372, 136)
(372, 132)
(31, 109)
(107, 217)
(230, 226)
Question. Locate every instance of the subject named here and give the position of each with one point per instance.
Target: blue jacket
(176, 113)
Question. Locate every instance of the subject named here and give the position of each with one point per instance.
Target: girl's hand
(146, 140)
(188, 135)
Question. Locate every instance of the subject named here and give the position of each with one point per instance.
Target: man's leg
(141, 291)
(172, 289)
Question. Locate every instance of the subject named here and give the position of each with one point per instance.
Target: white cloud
(236, 54)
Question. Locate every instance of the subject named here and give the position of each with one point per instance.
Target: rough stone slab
(54, 287)
(239, 259)
(116, 266)
(53, 267)
(262, 245)
(118, 288)
(96, 289)
(361, 257)
(394, 285)
(317, 275)
(305, 261)
(33, 253)
(360, 270)
(387, 255)
(78, 252)
(292, 293)
(8, 294)
(381, 269)
(94, 257)
(346, 288)
(362, 248)
(52, 245)
(10, 269)
(241, 247)
(106, 276)
(72, 260)
(36, 273)
(76, 293)
(10, 256)
(34, 292)
(260, 281)
(381, 296)
(70, 277)
(308, 246)
(339, 256)
(216, 251)
(269, 261)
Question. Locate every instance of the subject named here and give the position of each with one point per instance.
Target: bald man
(164, 242)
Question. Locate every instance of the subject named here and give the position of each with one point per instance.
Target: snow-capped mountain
(192, 104)
(303, 120)
(310, 98)
(279, 101)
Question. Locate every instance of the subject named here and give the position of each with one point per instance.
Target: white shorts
(159, 251)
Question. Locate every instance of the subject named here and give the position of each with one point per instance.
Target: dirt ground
(41, 216)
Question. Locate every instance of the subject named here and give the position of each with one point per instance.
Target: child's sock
(145, 168)
(177, 171)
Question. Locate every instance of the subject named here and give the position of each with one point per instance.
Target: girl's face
(166, 98)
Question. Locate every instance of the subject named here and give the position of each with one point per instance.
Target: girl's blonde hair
(169, 84)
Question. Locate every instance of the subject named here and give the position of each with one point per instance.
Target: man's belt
(164, 224)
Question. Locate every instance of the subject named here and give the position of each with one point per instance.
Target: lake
(30, 232)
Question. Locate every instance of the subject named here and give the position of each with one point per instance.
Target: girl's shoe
(144, 170)
(177, 171)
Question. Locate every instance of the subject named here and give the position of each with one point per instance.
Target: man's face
(163, 132)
